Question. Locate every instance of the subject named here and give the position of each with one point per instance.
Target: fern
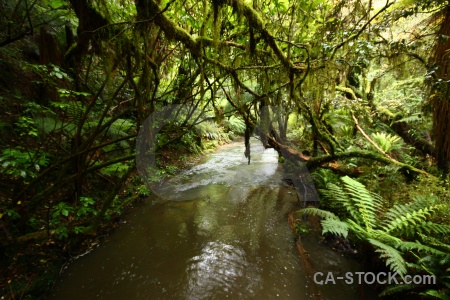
(366, 202)
(397, 289)
(120, 128)
(412, 118)
(392, 256)
(235, 125)
(48, 125)
(409, 246)
(73, 110)
(336, 193)
(117, 169)
(410, 219)
(347, 130)
(385, 231)
(208, 130)
(335, 226)
(361, 204)
(386, 141)
(319, 212)
(436, 294)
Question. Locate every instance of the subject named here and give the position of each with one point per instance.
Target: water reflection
(221, 265)
(228, 239)
(228, 167)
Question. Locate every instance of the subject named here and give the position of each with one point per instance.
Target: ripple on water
(220, 269)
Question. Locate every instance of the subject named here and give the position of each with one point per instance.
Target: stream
(217, 231)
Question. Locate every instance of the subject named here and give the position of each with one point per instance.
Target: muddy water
(217, 231)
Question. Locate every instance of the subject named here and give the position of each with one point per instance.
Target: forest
(101, 100)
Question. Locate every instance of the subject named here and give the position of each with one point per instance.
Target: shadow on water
(220, 233)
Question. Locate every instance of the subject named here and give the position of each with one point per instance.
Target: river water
(216, 231)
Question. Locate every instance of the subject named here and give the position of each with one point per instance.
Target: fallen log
(304, 257)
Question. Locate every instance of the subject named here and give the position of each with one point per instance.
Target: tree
(440, 91)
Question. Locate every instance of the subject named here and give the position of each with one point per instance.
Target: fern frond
(411, 223)
(435, 294)
(393, 257)
(386, 238)
(333, 192)
(408, 246)
(235, 124)
(368, 205)
(407, 221)
(73, 110)
(433, 227)
(397, 289)
(335, 227)
(386, 141)
(358, 230)
(412, 118)
(120, 128)
(48, 124)
(435, 242)
(318, 212)
(410, 218)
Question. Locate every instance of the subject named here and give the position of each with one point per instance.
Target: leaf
(394, 259)
(56, 4)
(335, 227)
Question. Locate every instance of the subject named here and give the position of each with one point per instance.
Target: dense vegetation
(357, 88)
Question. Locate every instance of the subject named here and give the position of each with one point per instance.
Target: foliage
(235, 125)
(20, 163)
(66, 219)
(118, 169)
(391, 233)
(209, 130)
(78, 79)
(387, 142)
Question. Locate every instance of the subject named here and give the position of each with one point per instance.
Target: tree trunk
(440, 95)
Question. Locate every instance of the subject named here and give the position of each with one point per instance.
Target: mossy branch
(357, 34)
(347, 90)
(323, 159)
(370, 140)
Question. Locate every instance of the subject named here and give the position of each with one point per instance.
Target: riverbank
(38, 260)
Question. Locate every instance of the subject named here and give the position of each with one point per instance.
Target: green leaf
(56, 4)
(65, 212)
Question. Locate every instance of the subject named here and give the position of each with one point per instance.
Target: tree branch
(354, 36)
